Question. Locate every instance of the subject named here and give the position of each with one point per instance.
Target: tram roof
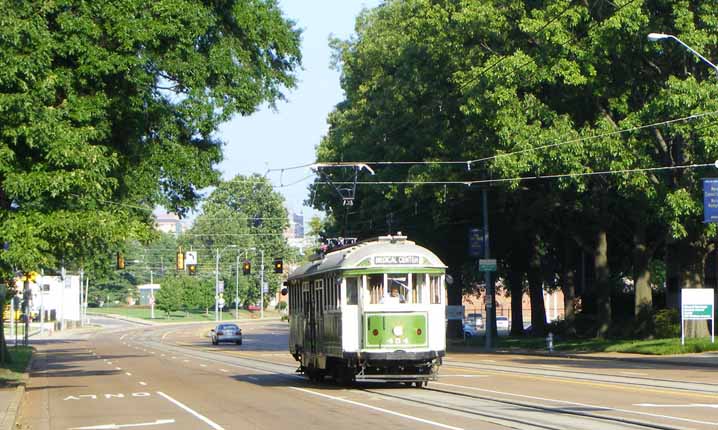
(382, 253)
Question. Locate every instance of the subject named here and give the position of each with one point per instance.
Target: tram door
(310, 320)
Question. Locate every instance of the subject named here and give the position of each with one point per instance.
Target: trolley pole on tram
(490, 293)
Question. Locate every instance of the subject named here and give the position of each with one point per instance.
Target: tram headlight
(398, 331)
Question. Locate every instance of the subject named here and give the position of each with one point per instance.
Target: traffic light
(120, 261)
(180, 259)
(192, 269)
(278, 265)
(246, 267)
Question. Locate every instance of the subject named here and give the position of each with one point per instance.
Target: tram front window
(397, 289)
(376, 288)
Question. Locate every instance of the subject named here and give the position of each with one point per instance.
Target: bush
(281, 306)
(667, 323)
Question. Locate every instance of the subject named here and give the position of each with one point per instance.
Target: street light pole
(261, 286)
(216, 280)
(654, 37)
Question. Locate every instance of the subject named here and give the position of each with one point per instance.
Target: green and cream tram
(371, 310)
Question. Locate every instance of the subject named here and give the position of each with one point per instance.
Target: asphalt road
(171, 377)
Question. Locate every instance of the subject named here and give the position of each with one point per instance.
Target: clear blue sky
(289, 135)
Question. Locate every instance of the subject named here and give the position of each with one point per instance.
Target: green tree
(107, 110)
(429, 80)
(241, 214)
(170, 297)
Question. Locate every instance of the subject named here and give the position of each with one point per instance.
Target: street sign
(220, 286)
(265, 288)
(697, 304)
(710, 200)
(476, 242)
(190, 258)
(221, 302)
(454, 312)
(488, 265)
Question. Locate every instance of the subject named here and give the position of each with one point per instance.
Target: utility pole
(490, 293)
(216, 286)
(152, 295)
(261, 285)
(236, 291)
(82, 283)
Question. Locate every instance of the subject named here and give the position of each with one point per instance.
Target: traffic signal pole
(490, 293)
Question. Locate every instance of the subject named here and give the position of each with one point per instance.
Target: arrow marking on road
(121, 426)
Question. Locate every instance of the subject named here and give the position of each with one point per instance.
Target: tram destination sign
(396, 259)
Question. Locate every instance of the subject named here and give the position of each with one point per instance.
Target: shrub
(667, 323)
(281, 306)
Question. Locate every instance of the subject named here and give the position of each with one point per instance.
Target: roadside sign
(454, 312)
(476, 242)
(697, 304)
(710, 200)
(220, 286)
(487, 265)
(265, 288)
(190, 258)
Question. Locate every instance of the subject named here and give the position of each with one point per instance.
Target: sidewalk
(9, 405)
(161, 323)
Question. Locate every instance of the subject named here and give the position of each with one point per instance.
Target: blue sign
(476, 242)
(710, 200)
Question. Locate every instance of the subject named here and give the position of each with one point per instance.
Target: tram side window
(376, 288)
(352, 291)
(418, 282)
(435, 289)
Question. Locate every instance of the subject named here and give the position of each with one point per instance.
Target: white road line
(128, 374)
(203, 365)
(224, 370)
(634, 373)
(121, 426)
(174, 358)
(123, 336)
(211, 423)
(118, 368)
(445, 375)
(143, 383)
(688, 405)
(585, 405)
(386, 411)
(186, 361)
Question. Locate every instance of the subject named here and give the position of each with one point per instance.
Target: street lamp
(655, 37)
(216, 280)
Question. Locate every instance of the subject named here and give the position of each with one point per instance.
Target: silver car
(226, 333)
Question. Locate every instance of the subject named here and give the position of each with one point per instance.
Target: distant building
(169, 223)
(55, 298)
(298, 221)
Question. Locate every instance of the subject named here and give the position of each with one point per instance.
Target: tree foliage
(534, 89)
(108, 109)
(240, 219)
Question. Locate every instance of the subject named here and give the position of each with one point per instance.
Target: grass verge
(160, 316)
(12, 373)
(670, 346)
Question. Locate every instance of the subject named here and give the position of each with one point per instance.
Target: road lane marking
(181, 405)
(585, 405)
(128, 374)
(120, 426)
(689, 405)
(143, 383)
(224, 370)
(123, 336)
(186, 361)
(634, 373)
(203, 365)
(386, 411)
(118, 368)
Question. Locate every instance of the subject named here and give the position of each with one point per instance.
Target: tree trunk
(568, 287)
(516, 285)
(692, 277)
(603, 283)
(538, 310)
(643, 300)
